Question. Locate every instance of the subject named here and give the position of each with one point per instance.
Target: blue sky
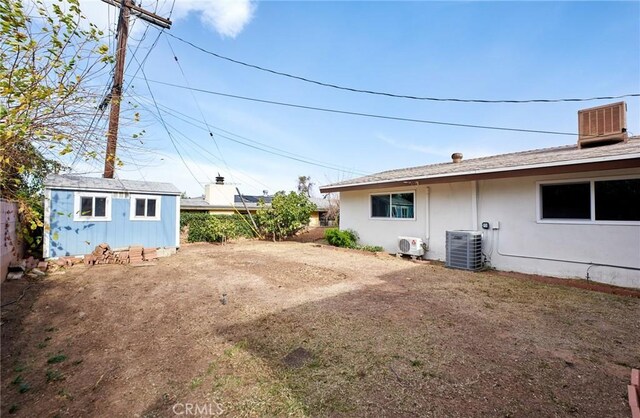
(480, 50)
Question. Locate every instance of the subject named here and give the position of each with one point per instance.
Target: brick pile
(135, 255)
(150, 254)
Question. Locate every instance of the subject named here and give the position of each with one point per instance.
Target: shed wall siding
(513, 203)
(69, 237)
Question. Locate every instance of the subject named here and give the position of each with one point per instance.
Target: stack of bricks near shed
(150, 254)
(135, 255)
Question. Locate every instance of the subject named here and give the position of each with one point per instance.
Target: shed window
(92, 207)
(145, 208)
(393, 205)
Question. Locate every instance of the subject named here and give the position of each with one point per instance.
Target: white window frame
(132, 207)
(592, 201)
(391, 218)
(77, 207)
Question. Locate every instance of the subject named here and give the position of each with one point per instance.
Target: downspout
(427, 218)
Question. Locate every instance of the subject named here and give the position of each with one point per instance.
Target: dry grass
(386, 337)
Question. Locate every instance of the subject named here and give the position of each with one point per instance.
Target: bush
(346, 238)
(285, 216)
(204, 227)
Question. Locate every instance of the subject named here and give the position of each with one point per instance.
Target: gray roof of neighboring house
(198, 203)
(71, 182)
(507, 163)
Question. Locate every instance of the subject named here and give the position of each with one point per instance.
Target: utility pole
(126, 9)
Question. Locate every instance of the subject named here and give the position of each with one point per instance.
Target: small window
(393, 205)
(145, 208)
(92, 207)
(617, 200)
(566, 201)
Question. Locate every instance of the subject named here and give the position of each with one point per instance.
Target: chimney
(265, 193)
(456, 157)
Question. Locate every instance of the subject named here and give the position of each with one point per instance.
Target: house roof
(567, 158)
(71, 182)
(198, 203)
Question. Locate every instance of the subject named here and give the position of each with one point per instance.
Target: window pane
(101, 206)
(618, 200)
(86, 206)
(566, 201)
(140, 207)
(402, 205)
(151, 207)
(380, 206)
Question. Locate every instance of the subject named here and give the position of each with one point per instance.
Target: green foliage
(346, 238)
(286, 215)
(47, 52)
(204, 227)
(56, 359)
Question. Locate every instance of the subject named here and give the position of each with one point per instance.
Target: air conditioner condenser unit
(464, 250)
(413, 246)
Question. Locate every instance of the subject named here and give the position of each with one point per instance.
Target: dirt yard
(311, 331)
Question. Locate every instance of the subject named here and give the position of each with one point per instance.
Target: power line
(400, 96)
(279, 151)
(283, 153)
(362, 114)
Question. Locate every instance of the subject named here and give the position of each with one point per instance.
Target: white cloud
(227, 17)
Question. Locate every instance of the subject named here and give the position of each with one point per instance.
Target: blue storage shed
(82, 212)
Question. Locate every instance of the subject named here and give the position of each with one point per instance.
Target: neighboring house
(569, 211)
(223, 199)
(82, 212)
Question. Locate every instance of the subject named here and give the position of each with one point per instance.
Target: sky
(508, 50)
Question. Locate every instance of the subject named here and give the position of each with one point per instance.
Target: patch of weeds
(19, 368)
(64, 394)
(54, 376)
(42, 345)
(76, 362)
(56, 359)
(13, 409)
(195, 383)
(212, 367)
(17, 380)
(47, 338)
(24, 387)
(416, 363)
(51, 329)
(230, 352)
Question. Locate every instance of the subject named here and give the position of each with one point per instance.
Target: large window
(145, 208)
(92, 207)
(393, 205)
(593, 200)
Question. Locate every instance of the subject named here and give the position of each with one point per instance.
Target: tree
(304, 185)
(48, 52)
(287, 214)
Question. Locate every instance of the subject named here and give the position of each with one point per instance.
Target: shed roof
(71, 182)
(199, 203)
(570, 158)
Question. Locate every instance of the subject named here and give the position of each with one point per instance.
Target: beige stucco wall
(513, 203)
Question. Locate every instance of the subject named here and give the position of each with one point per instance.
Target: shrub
(287, 214)
(346, 238)
(204, 227)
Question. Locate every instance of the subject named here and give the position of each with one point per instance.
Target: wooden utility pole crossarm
(126, 9)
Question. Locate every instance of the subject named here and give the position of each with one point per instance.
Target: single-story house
(221, 198)
(568, 211)
(82, 212)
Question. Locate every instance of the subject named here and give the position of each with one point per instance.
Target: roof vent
(219, 179)
(456, 157)
(602, 125)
